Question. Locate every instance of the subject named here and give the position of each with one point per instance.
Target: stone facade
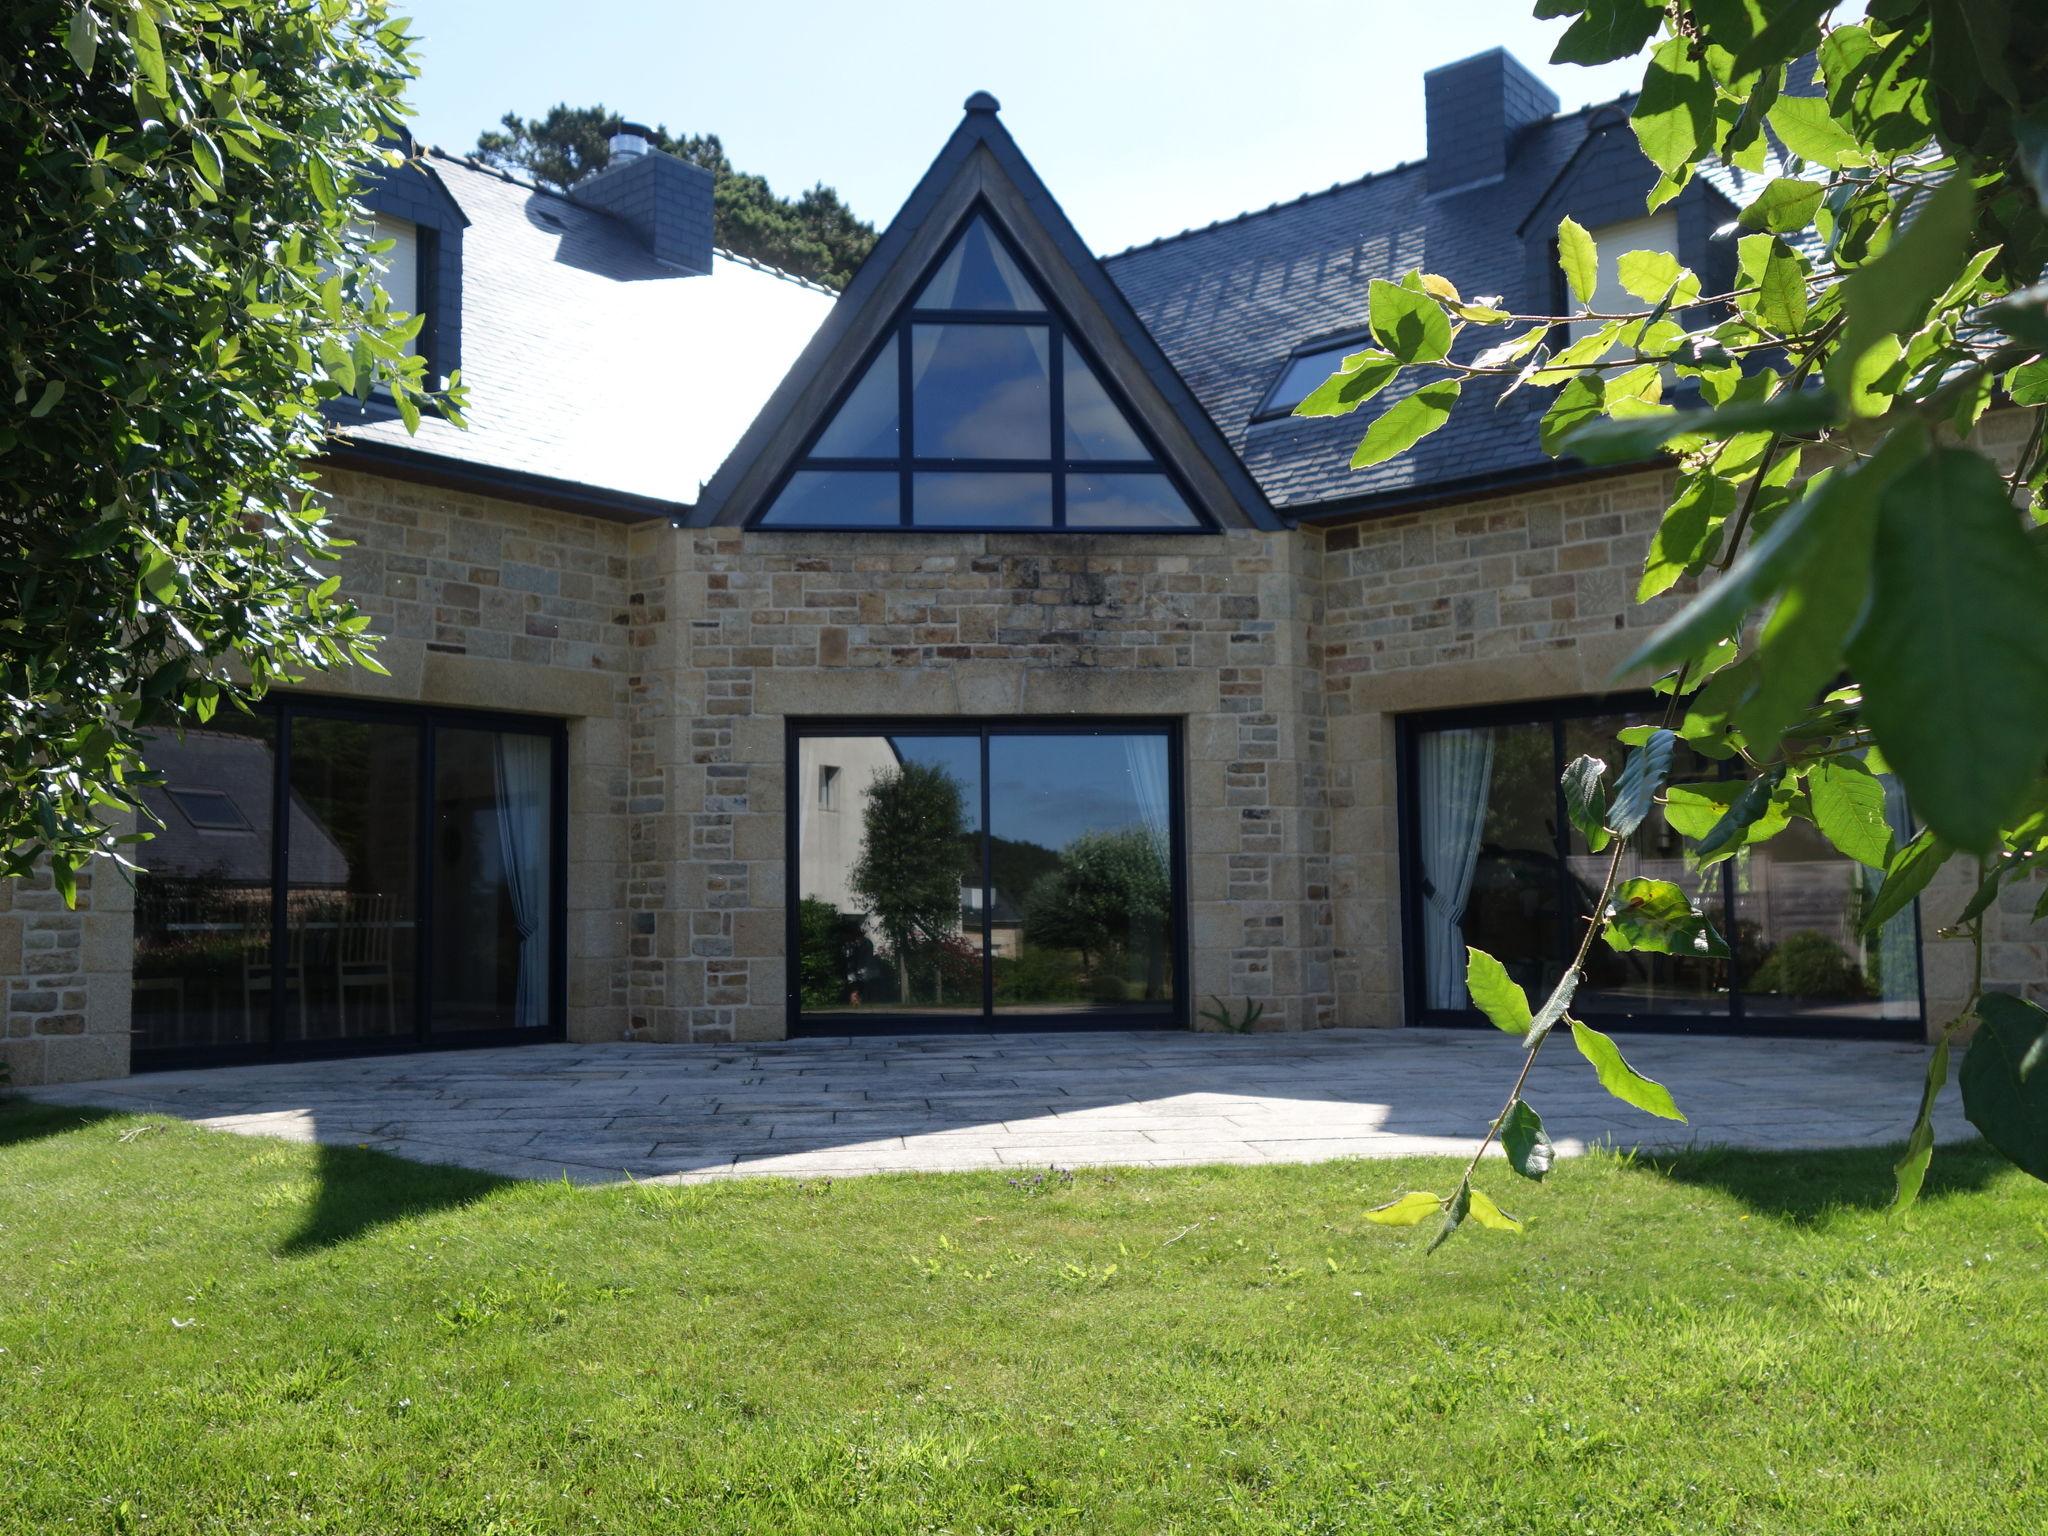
(678, 657)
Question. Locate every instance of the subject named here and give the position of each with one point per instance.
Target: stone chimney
(665, 201)
(1476, 109)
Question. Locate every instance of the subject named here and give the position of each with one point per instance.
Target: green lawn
(207, 1333)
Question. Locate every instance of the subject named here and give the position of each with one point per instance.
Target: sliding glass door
(1490, 860)
(329, 877)
(1020, 874)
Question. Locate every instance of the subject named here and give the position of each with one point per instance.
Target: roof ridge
(1336, 186)
(471, 162)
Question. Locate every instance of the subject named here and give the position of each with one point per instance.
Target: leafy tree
(1109, 888)
(813, 235)
(831, 946)
(184, 280)
(911, 859)
(1876, 598)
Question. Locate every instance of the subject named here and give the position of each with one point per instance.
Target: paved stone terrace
(932, 1103)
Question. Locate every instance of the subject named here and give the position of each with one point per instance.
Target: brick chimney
(1476, 108)
(666, 201)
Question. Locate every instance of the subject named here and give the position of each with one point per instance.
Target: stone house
(988, 648)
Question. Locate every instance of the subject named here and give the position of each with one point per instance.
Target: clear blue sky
(1143, 117)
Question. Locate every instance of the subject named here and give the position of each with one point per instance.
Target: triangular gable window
(1008, 424)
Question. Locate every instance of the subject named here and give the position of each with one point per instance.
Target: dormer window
(1305, 370)
(979, 408)
(400, 265)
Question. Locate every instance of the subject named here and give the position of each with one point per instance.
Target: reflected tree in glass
(910, 867)
(1109, 899)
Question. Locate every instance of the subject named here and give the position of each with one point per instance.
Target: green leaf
(1875, 380)
(1811, 132)
(1361, 376)
(1625, 440)
(1608, 30)
(1618, 1077)
(1848, 808)
(1525, 1141)
(2028, 383)
(206, 157)
(1553, 1008)
(1408, 1211)
(1688, 535)
(1641, 777)
(1953, 650)
(1503, 353)
(47, 400)
(1406, 422)
(1910, 1171)
(149, 49)
(1786, 205)
(1495, 993)
(1831, 503)
(2005, 1080)
(1905, 877)
(1412, 326)
(1891, 296)
(1653, 276)
(1585, 799)
(1656, 917)
(1491, 1216)
(82, 38)
(159, 575)
(1674, 116)
(1455, 1211)
(1781, 300)
(1579, 258)
(1748, 817)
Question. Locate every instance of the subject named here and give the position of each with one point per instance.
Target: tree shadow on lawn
(25, 1120)
(359, 1189)
(1800, 1188)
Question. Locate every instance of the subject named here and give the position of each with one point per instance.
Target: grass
(208, 1333)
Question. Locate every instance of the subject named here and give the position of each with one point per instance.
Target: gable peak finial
(982, 101)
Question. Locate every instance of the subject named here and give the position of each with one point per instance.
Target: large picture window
(1017, 874)
(1490, 860)
(331, 877)
(980, 409)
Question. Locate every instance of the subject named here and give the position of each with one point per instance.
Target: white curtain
(1145, 756)
(1456, 772)
(1898, 951)
(525, 767)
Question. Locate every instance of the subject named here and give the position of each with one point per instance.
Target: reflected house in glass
(987, 646)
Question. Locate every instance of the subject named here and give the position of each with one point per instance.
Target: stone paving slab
(810, 1108)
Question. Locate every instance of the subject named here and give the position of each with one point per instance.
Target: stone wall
(737, 633)
(64, 1010)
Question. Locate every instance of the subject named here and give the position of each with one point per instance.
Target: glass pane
(1096, 425)
(1126, 501)
(1632, 983)
(981, 391)
(985, 500)
(837, 498)
(1486, 837)
(493, 879)
(1306, 373)
(202, 901)
(888, 875)
(1798, 918)
(979, 274)
(351, 860)
(865, 427)
(1082, 919)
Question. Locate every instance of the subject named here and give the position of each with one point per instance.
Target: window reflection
(894, 915)
(202, 900)
(493, 874)
(981, 391)
(352, 881)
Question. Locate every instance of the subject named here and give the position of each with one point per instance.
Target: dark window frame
(986, 1019)
(426, 721)
(906, 462)
(1342, 342)
(1739, 1017)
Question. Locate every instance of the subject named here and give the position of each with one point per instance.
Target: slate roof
(590, 362)
(1231, 302)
